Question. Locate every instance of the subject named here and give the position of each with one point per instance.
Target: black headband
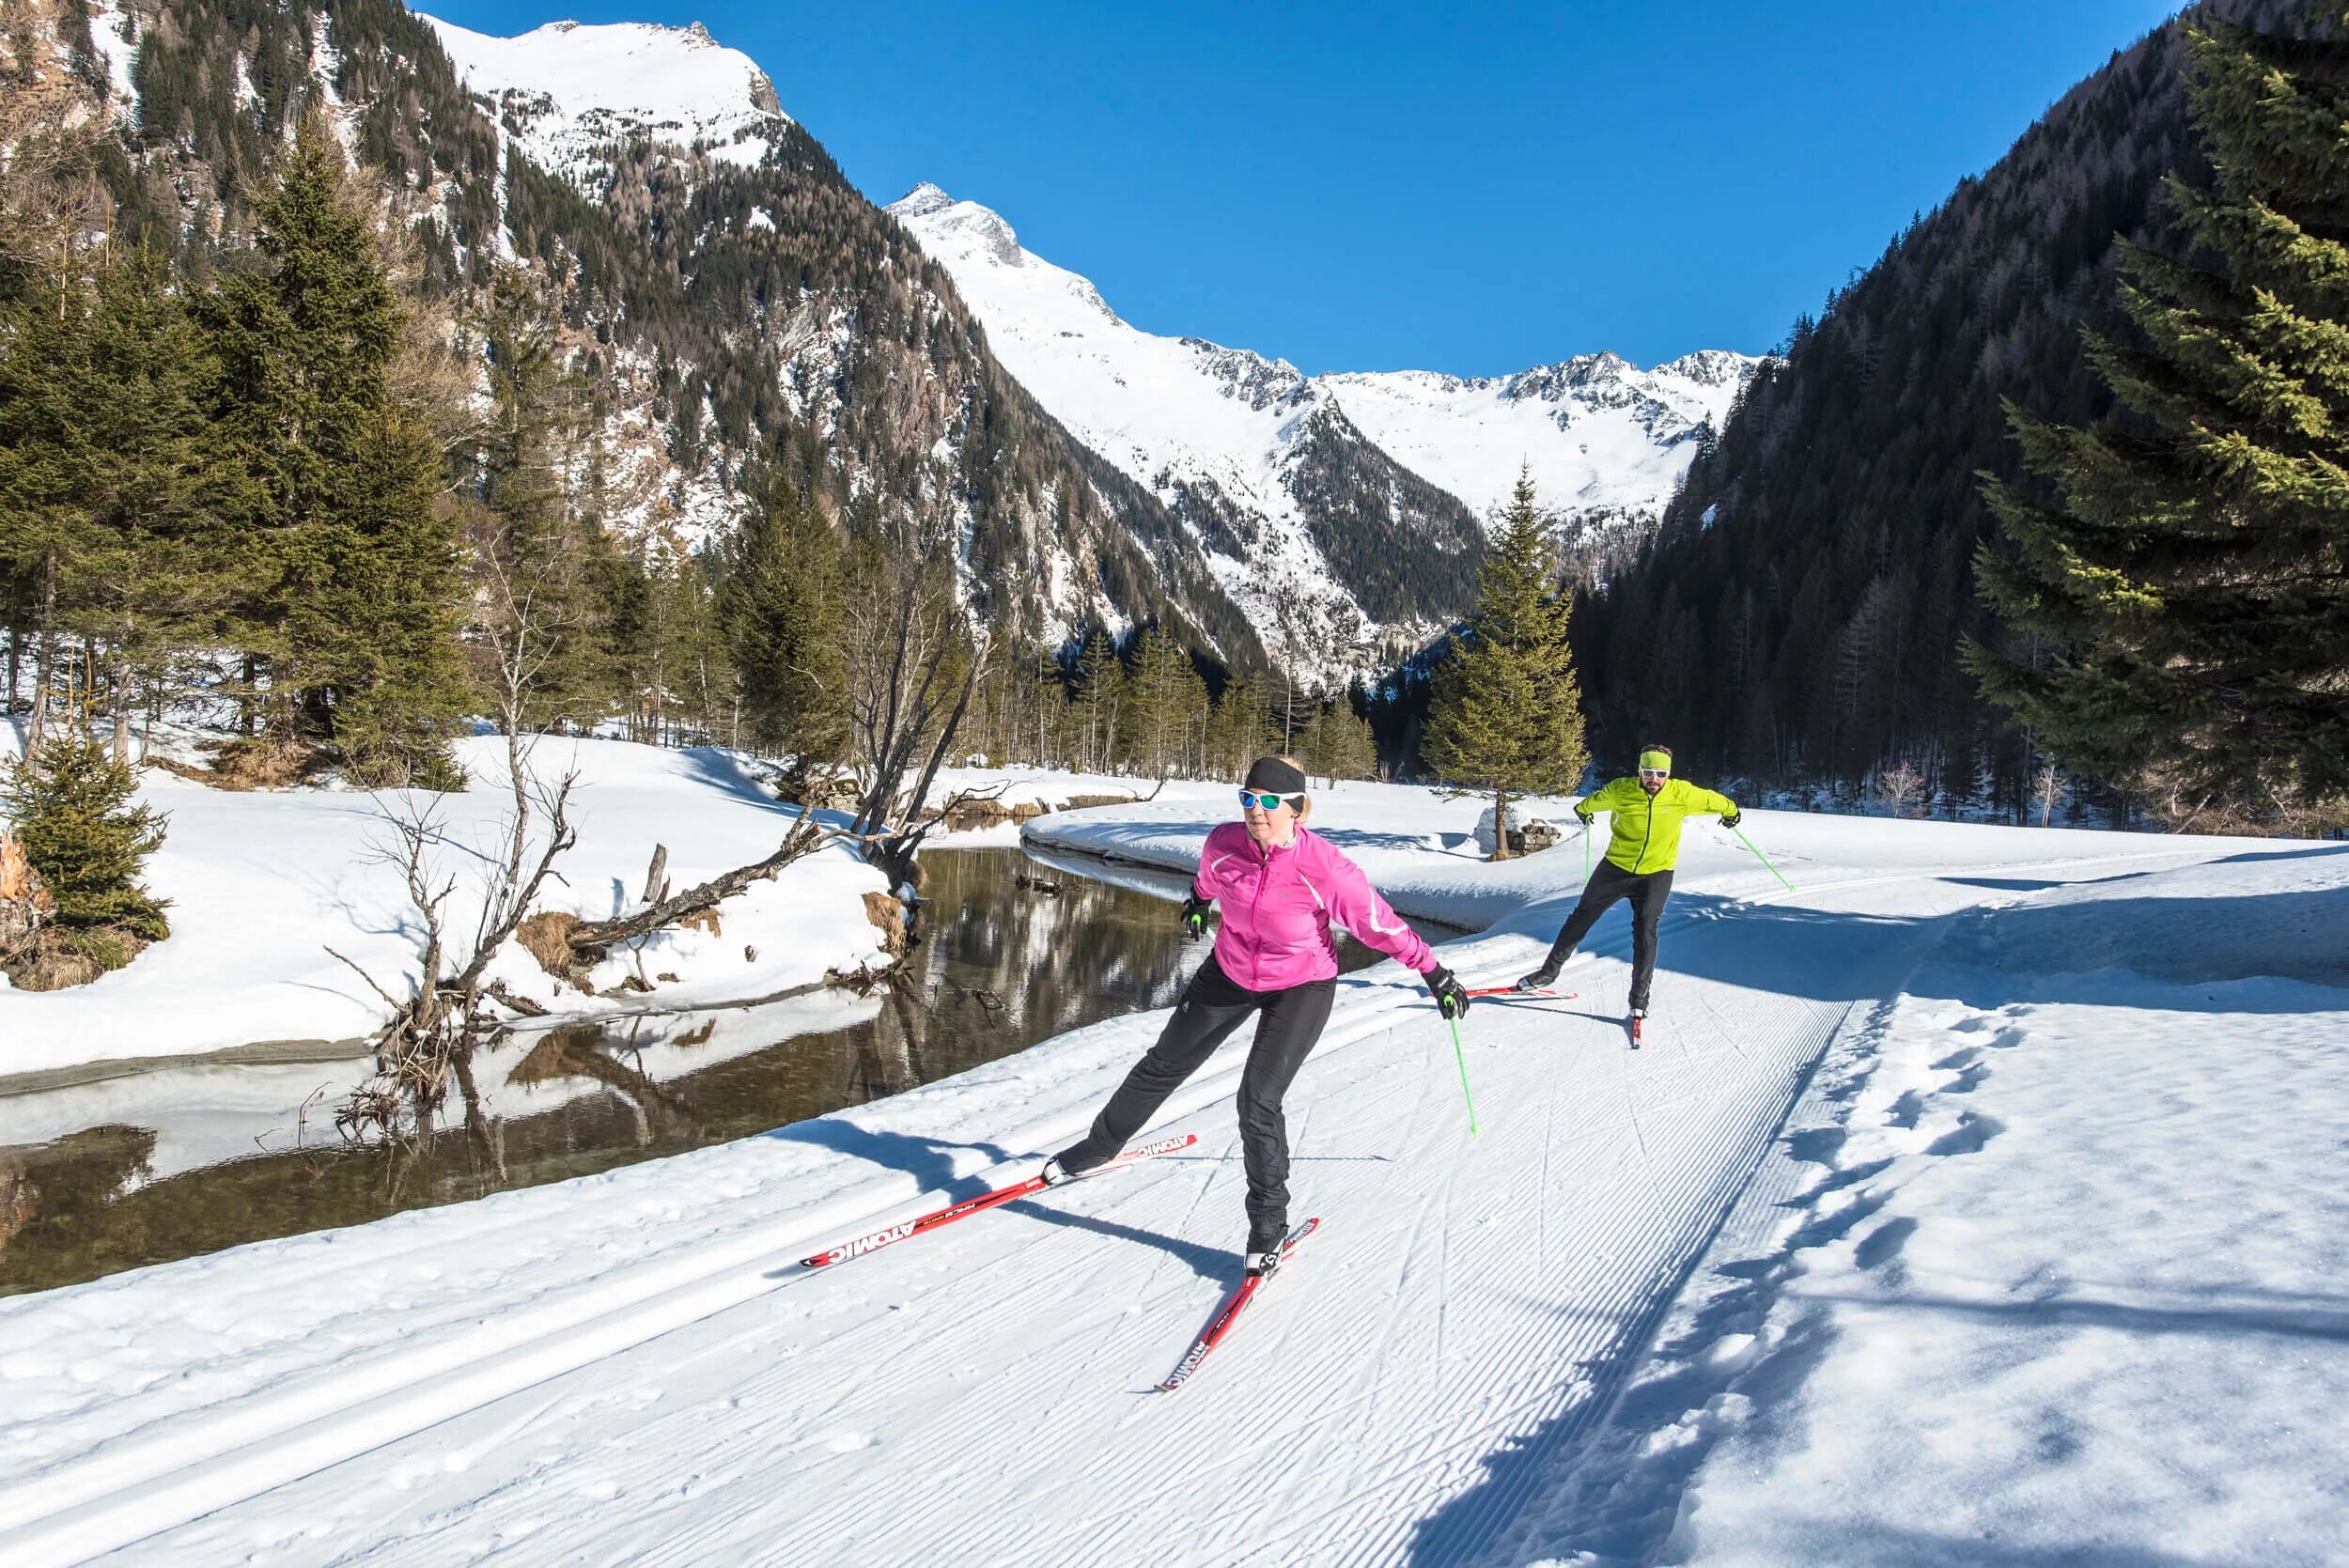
(1275, 776)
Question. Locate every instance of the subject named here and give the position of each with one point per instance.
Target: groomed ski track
(1403, 1392)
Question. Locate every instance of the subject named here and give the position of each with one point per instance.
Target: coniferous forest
(1799, 619)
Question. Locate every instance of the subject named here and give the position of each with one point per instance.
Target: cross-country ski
(1227, 1314)
(905, 1229)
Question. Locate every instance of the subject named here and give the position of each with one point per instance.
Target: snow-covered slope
(1605, 440)
(563, 90)
(1231, 441)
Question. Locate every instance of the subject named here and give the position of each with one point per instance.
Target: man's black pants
(1212, 1007)
(1610, 882)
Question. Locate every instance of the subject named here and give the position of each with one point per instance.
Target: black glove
(1732, 817)
(1451, 998)
(1587, 818)
(1195, 916)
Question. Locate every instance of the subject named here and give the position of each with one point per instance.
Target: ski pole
(1462, 1057)
(1586, 849)
(1764, 859)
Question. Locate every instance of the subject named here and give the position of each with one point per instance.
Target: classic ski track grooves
(272, 1437)
(1646, 1177)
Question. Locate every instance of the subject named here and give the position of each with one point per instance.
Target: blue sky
(1377, 186)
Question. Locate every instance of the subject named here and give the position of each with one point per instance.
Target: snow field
(631, 1367)
(261, 884)
(2046, 1269)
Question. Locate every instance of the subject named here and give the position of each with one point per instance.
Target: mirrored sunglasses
(1267, 801)
(1656, 772)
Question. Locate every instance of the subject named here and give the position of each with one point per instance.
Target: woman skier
(1283, 887)
(1644, 846)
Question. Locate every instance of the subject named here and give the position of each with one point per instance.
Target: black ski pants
(1212, 1007)
(1648, 891)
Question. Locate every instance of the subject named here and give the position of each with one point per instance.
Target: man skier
(1643, 846)
(1283, 887)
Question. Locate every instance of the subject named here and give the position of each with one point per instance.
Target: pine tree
(1240, 729)
(351, 587)
(72, 806)
(1098, 693)
(2180, 616)
(103, 489)
(1336, 744)
(1507, 718)
(782, 601)
(551, 585)
(156, 571)
(1165, 701)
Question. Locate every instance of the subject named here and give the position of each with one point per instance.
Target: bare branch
(395, 1007)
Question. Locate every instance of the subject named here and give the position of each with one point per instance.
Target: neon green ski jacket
(1643, 834)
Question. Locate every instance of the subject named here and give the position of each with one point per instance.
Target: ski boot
(1058, 1170)
(1540, 980)
(1264, 1247)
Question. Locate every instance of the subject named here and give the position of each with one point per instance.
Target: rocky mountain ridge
(1605, 441)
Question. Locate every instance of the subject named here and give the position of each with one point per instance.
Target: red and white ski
(1634, 1022)
(1229, 1313)
(906, 1229)
(1513, 991)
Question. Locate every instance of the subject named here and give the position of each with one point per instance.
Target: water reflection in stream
(187, 1157)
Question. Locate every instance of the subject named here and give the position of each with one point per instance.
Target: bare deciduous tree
(1900, 785)
(2046, 787)
(913, 661)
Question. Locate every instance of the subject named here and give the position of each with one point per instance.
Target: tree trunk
(897, 855)
(1501, 824)
(44, 656)
(119, 703)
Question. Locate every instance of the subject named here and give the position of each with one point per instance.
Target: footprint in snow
(1817, 1145)
(1972, 1131)
(1883, 1244)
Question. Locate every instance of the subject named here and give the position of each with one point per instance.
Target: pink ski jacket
(1278, 905)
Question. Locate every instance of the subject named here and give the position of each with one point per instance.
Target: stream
(115, 1169)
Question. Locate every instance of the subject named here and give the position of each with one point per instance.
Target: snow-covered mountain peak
(1234, 440)
(566, 88)
(972, 227)
(1250, 452)
(967, 237)
(920, 202)
(1710, 368)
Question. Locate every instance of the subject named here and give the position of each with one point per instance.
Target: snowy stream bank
(262, 883)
